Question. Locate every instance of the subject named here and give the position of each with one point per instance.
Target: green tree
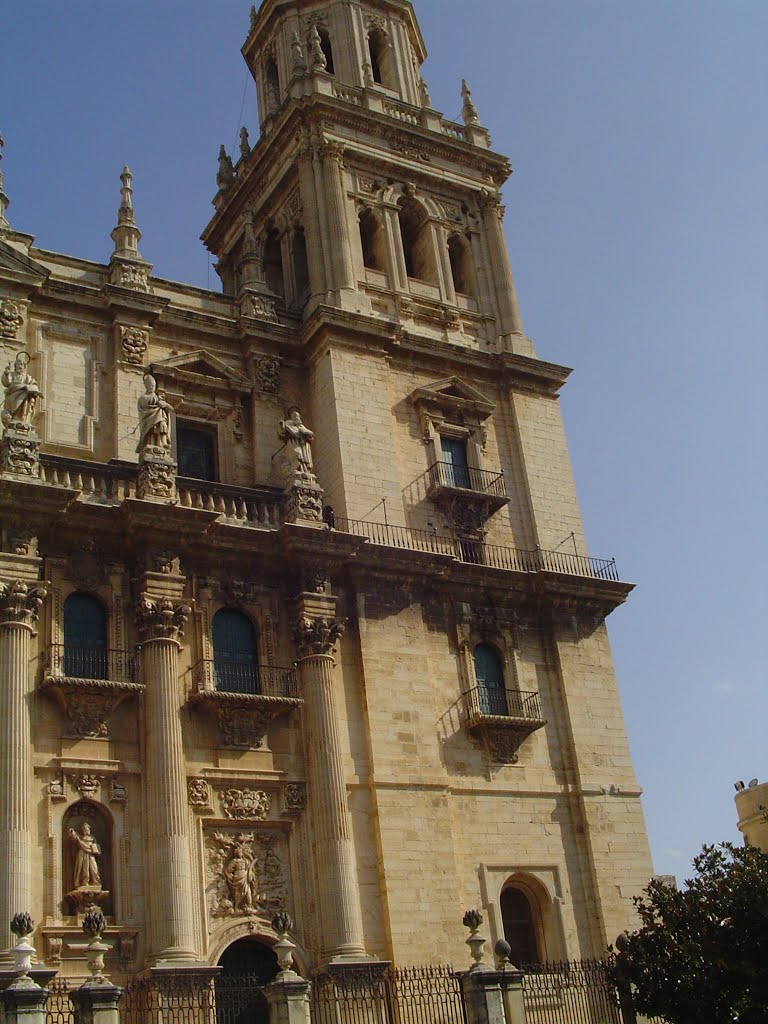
(701, 954)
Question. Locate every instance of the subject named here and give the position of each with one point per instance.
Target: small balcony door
(235, 661)
(489, 673)
(196, 453)
(85, 637)
(456, 466)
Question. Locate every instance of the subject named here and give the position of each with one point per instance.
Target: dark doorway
(195, 450)
(247, 966)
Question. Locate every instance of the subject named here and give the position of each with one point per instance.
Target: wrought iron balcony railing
(224, 676)
(73, 661)
(466, 478)
(519, 706)
(479, 553)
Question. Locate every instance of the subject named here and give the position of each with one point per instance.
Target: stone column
(20, 603)
(161, 617)
(316, 256)
(337, 222)
(501, 271)
(316, 633)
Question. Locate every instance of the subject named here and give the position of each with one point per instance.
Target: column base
(39, 973)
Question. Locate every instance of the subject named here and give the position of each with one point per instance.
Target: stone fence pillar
(490, 996)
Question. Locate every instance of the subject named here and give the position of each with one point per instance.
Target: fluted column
(339, 896)
(161, 620)
(337, 222)
(501, 271)
(20, 603)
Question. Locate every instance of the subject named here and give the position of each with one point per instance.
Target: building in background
(296, 609)
(752, 809)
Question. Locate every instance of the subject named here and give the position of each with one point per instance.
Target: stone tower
(331, 508)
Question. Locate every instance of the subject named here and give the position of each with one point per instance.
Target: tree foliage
(701, 954)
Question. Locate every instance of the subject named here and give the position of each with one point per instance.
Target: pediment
(452, 394)
(18, 265)
(201, 366)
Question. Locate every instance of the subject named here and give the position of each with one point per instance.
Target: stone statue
(299, 439)
(21, 392)
(154, 417)
(245, 144)
(240, 874)
(86, 874)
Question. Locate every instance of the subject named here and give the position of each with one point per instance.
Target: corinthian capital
(316, 635)
(20, 602)
(490, 202)
(161, 618)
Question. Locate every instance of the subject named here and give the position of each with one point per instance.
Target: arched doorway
(246, 967)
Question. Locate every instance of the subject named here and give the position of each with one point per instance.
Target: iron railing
(58, 1006)
(226, 999)
(73, 661)
(570, 992)
(466, 478)
(244, 677)
(494, 700)
(477, 552)
(405, 995)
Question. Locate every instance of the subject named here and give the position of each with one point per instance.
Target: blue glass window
(235, 652)
(455, 459)
(85, 637)
(489, 673)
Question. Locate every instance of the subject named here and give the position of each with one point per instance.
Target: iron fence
(58, 1007)
(76, 661)
(244, 677)
(493, 700)
(466, 478)
(405, 995)
(225, 999)
(570, 992)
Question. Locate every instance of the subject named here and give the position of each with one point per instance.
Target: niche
(372, 240)
(462, 267)
(86, 857)
(381, 58)
(416, 234)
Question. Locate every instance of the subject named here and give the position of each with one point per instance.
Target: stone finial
(94, 923)
(226, 173)
(245, 145)
(4, 200)
(252, 17)
(317, 58)
(22, 924)
(128, 268)
(282, 923)
(476, 942)
(502, 951)
(468, 108)
(297, 52)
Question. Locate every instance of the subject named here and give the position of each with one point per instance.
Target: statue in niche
(86, 871)
(240, 872)
(21, 392)
(154, 417)
(299, 439)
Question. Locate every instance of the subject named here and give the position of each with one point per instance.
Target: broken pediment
(454, 398)
(201, 367)
(16, 265)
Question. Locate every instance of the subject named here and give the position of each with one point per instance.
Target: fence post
(23, 1001)
(490, 996)
(288, 994)
(95, 1002)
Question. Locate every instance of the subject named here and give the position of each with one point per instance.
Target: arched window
(235, 652)
(417, 241)
(520, 926)
(489, 674)
(273, 264)
(462, 269)
(380, 57)
(85, 637)
(325, 46)
(372, 240)
(300, 267)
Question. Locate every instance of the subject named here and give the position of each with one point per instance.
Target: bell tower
(359, 195)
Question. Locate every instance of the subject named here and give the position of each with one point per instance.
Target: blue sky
(637, 220)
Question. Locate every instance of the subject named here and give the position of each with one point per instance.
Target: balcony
(478, 553)
(243, 698)
(468, 497)
(502, 719)
(89, 683)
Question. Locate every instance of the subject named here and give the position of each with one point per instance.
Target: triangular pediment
(203, 365)
(453, 393)
(18, 265)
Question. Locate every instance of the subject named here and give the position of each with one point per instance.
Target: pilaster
(501, 272)
(337, 224)
(316, 632)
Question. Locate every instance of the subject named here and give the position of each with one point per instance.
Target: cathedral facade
(287, 619)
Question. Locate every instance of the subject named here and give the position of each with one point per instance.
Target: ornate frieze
(316, 635)
(161, 618)
(11, 318)
(134, 343)
(246, 872)
(20, 601)
(244, 804)
(303, 502)
(262, 307)
(20, 450)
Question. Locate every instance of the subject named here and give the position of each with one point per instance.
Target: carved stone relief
(245, 804)
(128, 275)
(199, 793)
(317, 636)
(11, 318)
(243, 728)
(262, 308)
(161, 618)
(246, 872)
(295, 796)
(20, 602)
(267, 371)
(118, 794)
(87, 785)
(134, 343)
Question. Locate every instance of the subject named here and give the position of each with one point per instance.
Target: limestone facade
(356, 761)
